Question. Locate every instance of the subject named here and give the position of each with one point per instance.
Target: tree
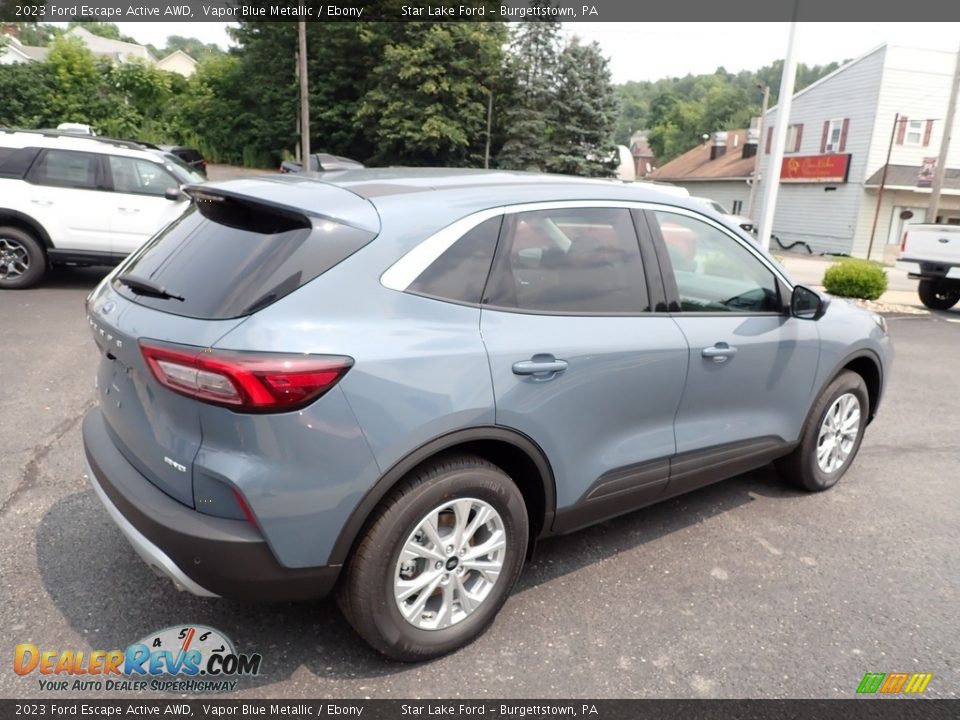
(634, 115)
(426, 100)
(38, 34)
(584, 114)
(212, 114)
(141, 96)
(532, 75)
(679, 111)
(75, 74)
(27, 92)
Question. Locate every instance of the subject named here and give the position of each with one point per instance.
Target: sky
(650, 51)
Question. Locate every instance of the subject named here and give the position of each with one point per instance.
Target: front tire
(831, 436)
(438, 560)
(936, 295)
(22, 259)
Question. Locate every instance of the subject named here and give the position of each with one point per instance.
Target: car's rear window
(228, 258)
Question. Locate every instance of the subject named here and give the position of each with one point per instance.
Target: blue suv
(391, 383)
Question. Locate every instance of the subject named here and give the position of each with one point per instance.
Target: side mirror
(175, 194)
(808, 304)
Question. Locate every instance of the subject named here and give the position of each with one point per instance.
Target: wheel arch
(865, 363)
(513, 452)
(22, 221)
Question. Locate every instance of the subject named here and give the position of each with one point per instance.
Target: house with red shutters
(889, 103)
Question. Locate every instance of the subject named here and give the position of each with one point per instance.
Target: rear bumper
(927, 269)
(204, 555)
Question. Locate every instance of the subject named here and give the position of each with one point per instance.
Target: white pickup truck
(932, 254)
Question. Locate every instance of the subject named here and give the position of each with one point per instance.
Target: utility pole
(784, 101)
(938, 173)
(486, 153)
(883, 182)
(304, 99)
(756, 161)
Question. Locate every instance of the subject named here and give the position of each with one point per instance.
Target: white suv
(69, 199)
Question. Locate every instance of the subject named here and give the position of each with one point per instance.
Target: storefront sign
(830, 168)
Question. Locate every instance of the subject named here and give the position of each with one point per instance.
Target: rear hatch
(936, 244)
(230, 255)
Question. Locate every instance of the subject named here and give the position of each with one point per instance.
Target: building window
(834, 136)
(794, 138)
(914, 134)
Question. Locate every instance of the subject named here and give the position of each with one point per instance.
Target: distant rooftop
(696, 164)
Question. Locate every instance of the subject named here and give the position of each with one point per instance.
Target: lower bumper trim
(207, 556)
(153, 556)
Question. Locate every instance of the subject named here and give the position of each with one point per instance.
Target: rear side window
(461, 271)
(65, 168)
(571, 260)
(228, 258)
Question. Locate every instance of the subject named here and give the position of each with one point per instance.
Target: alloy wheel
(449, 563)
(14, 259)
(838, 433)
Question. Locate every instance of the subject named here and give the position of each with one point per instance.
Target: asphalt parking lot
(742, 589)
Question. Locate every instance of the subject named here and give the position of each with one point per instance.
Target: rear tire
(831, 435)
(937, 295)
(22, 259)
(462, 584)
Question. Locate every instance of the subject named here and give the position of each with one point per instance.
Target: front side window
(569, 261)
(140, 177)
(713, 272)
(67, 169)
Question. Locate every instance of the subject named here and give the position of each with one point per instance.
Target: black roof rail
(128, 144)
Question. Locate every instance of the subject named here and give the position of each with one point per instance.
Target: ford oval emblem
(943, 240)
(108, 307)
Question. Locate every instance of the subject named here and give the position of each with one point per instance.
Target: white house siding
(178, 62)
(10, 52)
(827, 220)
(724, 192)
(916, 83)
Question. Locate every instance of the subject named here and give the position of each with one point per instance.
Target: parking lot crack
(31, 471)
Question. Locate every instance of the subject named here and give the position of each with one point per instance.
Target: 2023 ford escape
(394, 382)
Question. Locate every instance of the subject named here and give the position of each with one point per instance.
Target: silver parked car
(391, 383)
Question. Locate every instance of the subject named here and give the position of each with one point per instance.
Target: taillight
(903, 241)
(244, 381)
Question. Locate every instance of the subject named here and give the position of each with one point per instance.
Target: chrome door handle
(129, 210)
(720, 352)
(541, 365)
(44, 203)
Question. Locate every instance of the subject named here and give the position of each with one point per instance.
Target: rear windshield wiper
(146, 287)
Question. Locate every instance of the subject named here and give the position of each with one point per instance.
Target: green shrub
(856, 279)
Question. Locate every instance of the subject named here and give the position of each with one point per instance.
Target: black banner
(478, 10)
(873, 709)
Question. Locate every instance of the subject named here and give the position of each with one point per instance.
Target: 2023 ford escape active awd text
(392, 382)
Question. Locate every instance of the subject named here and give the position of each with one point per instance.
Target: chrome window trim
(404, 271)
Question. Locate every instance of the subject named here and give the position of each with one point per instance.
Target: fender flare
(839, 366)
(355, 524)
(30, 222)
